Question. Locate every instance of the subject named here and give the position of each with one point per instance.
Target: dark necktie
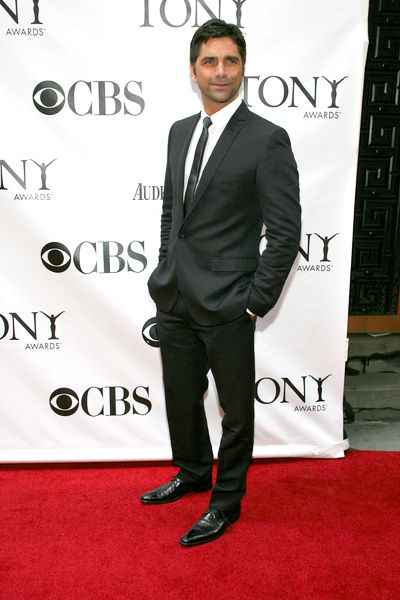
(195, 170)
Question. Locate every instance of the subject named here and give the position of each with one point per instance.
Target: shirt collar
(221, 117)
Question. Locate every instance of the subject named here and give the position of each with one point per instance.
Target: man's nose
(220, 68)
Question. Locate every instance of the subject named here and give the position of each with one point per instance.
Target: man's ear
(193, 73)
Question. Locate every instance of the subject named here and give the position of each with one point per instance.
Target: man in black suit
(211, 282)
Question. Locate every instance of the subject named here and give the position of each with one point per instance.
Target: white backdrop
(88, 93)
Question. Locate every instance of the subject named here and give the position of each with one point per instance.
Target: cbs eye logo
(64, 402)
(56, 257)
(48, 97)
(150, 333)
(90, 98)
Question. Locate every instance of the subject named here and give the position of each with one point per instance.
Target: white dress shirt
(219, 121)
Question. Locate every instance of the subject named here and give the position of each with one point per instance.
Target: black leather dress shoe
(211, 526)
(173, 490)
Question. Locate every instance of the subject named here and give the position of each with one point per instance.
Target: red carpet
(310, 530)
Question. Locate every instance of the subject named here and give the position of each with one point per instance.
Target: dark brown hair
(215, 28)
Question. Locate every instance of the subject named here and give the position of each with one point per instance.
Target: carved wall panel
(374, 286)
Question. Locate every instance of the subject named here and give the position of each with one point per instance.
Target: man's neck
(210, 107)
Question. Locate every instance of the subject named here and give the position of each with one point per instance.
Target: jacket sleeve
(278, 193)
(166, 215)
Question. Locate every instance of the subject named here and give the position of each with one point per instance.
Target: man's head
(216, 28)
(217, 58)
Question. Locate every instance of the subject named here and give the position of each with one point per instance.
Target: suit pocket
(158, 274)
(222, 263)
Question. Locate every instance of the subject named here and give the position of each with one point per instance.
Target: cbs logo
(150, 333)
(107, 401)
(95, 257)
(89, 98)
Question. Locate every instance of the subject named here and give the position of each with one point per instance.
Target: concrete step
(374, 365)
(373, 390)
(376, 346)
(373, 435)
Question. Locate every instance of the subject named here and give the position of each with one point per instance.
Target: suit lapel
(184, 146)
(218, 154)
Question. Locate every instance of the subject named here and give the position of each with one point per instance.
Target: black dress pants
(188, 351)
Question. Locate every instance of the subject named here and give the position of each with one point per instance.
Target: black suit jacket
(212, 256)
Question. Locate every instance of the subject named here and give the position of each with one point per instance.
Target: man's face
(218, 72)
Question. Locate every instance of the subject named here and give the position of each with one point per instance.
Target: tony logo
(21, 13)
(177, 13)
